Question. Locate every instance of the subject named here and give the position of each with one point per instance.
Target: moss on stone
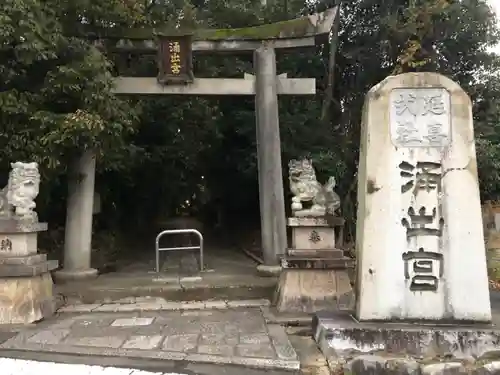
(296, 28)
(299, 27)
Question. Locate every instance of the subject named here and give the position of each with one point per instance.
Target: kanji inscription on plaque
(420, 117)
(175, 60)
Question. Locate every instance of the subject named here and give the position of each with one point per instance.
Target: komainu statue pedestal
(314, 276)
(26, 287)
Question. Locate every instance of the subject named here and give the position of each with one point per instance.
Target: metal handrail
(178, 231)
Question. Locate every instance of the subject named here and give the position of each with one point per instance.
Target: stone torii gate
(176, 78)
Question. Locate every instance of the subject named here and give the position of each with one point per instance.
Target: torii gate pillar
(271, 196)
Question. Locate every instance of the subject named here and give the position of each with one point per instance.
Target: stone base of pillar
(268, 271)
(64, 276)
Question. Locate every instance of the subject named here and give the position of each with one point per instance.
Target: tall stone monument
(420, 244)
(314, 275)
(26, 285)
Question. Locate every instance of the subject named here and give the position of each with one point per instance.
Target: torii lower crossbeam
(212, 86)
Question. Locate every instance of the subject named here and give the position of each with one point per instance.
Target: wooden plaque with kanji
(175, 60)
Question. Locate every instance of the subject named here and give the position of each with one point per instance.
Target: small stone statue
(17, 199)
(306, 188)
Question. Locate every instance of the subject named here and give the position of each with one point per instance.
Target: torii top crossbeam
(299, 32)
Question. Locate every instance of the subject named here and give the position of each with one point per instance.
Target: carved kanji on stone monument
(420, 117)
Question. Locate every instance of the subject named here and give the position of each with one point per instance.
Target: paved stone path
(231, 336)
(11, 366)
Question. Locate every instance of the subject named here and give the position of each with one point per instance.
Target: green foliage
(55, 93)
(486, 99)
(55, 97)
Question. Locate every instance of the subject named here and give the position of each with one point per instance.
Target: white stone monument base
(404, 348)
(24, 300)
(312, 290)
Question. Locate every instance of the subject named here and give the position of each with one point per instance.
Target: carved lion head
(24, 176)
(301, 170)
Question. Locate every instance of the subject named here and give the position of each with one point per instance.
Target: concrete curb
(12, 366)
(258, 363)
(155, 366)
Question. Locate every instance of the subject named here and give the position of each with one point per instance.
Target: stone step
(133, 304)
(170, 288)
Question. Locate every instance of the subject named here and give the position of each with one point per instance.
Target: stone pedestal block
(312, 233)
(312, 290)
(27, 270)
(18, 238)
(25, 300)
(312, 238)
(26, 285)
(314, 276)
(29, 260)
(18, 244)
